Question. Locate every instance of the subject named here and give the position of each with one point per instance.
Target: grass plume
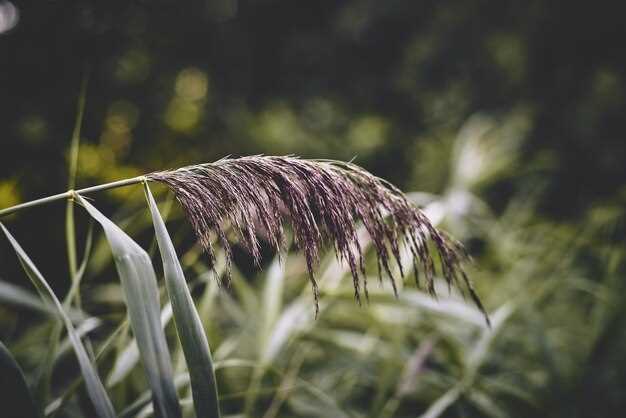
(323, 201)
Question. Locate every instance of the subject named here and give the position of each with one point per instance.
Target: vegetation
(389, 357)
(324, 200)
(505, 119)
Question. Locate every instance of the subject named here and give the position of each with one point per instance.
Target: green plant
(324, 202)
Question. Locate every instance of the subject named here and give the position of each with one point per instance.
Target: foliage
(507, 117)
(404, 357)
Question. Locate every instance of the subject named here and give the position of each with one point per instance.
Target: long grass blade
(190, 330)
(142, 298)
(272, 305)
(104, 349)
(15, 295)
(95, 388)
(85, 328)
(128, 358)
(70, 225)
(77, 278)
(437, 408)
(270, 311)
(14, 388)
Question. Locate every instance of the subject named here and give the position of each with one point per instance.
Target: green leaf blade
(141, 291)
(95, 388)
(188, 325)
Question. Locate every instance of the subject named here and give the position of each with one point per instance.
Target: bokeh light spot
(192, 84)
(9, 193)
(33, 129)
(9, 16)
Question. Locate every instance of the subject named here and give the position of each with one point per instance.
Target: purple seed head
(324, 201)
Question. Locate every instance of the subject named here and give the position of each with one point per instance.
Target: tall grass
(324, 202)
(404, 356)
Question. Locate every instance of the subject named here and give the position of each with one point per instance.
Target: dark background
(420, 66)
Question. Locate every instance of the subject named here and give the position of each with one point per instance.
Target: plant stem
(70, 224)
(70, 193)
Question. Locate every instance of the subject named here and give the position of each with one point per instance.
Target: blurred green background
(505, 118)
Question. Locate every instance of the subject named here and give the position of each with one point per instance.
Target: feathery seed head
(323, 200)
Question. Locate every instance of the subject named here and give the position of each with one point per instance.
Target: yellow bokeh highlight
(118, 125)
(191, 84)
(9, 194)
(184, 111)
(367, 133)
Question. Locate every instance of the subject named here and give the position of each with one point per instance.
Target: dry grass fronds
(324, 201)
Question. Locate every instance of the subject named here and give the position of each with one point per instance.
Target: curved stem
(70, 193)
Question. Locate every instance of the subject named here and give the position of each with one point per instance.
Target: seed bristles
(323, 201)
